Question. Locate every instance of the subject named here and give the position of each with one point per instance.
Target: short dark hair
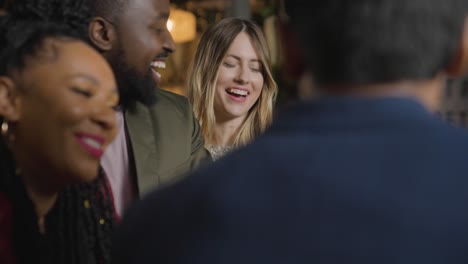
(377, 41)
(110, 9)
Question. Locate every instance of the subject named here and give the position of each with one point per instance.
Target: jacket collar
(354, 111)
(143, 145)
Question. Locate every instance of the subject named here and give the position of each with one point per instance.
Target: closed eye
(82, 92)
(228, 65)
(117, 107)
(159, 30)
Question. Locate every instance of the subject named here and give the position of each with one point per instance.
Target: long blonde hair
(203, 75)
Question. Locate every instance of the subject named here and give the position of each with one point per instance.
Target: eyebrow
(84, 76)
(91, 79)
(164, 16)
(238, 58)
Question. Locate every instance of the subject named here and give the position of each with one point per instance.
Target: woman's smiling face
(67, 96)
(240, 80)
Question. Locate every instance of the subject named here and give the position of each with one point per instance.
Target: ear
(459, 65)
(10, 103)
(102, 33)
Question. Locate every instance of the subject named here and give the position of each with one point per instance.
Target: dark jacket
(166, 140)
(337, 181)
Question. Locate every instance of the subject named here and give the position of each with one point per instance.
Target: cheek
(47, 125)
(218, 96)
(42, 136)
(70, 109)
(258, 83)
(220, 87)
(74, 114)
(138, 51)
(226, 76)
(222, 83)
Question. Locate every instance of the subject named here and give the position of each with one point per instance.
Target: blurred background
(190, 18)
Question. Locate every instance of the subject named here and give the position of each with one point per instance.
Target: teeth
(159, 64)
(238, 91)
(93, 143)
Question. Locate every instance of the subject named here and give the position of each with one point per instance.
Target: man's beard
(133, 86)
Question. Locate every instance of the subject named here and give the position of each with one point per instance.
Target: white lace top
(218, 151)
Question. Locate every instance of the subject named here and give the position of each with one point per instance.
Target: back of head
(377, 41)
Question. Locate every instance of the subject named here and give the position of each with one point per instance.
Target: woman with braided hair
(57, 103)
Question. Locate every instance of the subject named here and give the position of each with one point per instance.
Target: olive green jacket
(165, 140)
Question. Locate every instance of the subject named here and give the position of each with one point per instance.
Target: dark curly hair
(79, 226)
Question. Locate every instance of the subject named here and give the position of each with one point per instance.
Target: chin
(237, 114)
(86, 175)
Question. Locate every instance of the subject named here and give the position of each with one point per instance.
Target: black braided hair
(84, 220)
(80, 224)
(76, 14)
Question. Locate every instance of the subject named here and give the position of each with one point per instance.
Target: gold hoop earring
(5, 128)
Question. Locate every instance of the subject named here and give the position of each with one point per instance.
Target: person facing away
(57, 118)
(366, 173)
(159, 138)
(230, 85)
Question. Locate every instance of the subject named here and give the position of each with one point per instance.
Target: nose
(243, 75)
(104, 117)
(169, 45)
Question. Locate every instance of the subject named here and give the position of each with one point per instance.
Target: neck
(43, 196)
(427, 92)
(225, 132)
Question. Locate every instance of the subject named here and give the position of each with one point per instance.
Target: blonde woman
(230, 85)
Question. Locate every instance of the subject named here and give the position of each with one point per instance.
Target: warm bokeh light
(182, 25)
(170, 24)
